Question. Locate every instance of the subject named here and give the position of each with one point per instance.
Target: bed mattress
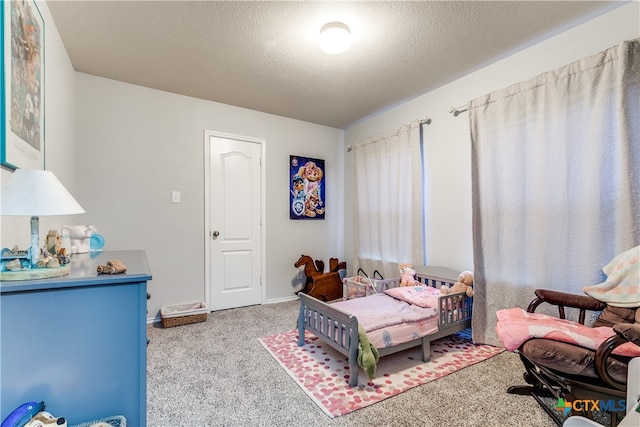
(389, 321)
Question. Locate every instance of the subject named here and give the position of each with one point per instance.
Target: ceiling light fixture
(335, 38)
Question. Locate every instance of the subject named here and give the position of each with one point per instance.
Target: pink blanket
(380, 311)
(515, 326)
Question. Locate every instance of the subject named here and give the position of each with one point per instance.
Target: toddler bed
(397, 326)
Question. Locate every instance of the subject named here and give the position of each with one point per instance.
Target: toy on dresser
(78, 237)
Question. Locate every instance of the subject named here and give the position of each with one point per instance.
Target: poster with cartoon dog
(306, 188)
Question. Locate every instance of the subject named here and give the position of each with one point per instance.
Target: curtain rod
(457, 110)
(425, 121)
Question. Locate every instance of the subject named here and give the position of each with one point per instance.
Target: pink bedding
(515, 326)
(421, 295)
(389, 321)
(403, 332)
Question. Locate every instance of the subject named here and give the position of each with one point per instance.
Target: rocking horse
(321, 285)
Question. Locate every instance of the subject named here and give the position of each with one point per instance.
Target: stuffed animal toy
(464, 284)
(368, 355)
(407, 274)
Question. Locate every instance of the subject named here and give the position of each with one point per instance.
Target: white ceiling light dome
(335, 38)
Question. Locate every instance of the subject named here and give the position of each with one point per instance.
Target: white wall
(136, 145)
(128, 147)
(60, 135)
(447, 144)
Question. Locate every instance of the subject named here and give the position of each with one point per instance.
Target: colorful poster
(306, 188)
(22, 86)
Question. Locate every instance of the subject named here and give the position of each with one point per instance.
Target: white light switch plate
(175, 197)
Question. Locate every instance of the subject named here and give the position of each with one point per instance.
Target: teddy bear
(464, 284)
(407, 274)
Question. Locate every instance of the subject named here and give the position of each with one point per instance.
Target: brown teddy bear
(464, 284)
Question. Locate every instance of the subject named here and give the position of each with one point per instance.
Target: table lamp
(35, 193)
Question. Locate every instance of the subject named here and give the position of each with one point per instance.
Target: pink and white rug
(323, 373)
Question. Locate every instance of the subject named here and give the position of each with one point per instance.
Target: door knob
(216, 233)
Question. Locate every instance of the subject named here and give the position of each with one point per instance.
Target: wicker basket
(183, 314)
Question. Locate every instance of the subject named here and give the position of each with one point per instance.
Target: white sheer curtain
(388, 201)
(556, 181)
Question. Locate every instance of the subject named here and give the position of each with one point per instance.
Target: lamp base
(34, 274)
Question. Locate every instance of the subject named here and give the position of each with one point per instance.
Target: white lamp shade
(37, 193)
(335, 38)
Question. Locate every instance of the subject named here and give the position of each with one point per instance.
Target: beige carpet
(323, 373)
(216, 373)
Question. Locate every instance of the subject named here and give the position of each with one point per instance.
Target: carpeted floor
(324, 373)
(216, 373)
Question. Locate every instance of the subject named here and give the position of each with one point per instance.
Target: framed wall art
(306, 188)
(22, 85)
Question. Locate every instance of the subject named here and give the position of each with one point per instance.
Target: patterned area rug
(323, 373)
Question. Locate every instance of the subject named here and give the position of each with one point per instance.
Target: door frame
(207, 209)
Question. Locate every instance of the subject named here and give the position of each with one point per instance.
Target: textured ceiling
(264, 56)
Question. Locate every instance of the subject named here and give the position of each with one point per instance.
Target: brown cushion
(630, 331)
(571, 359)
(612, 315)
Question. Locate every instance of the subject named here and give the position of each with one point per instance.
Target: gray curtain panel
(388, 202)
(556, 181)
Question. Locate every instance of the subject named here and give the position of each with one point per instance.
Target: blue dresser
(77, 342)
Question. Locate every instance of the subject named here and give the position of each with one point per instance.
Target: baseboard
(271, 301)
(285, 299)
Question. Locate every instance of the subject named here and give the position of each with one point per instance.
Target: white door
(234, 226)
